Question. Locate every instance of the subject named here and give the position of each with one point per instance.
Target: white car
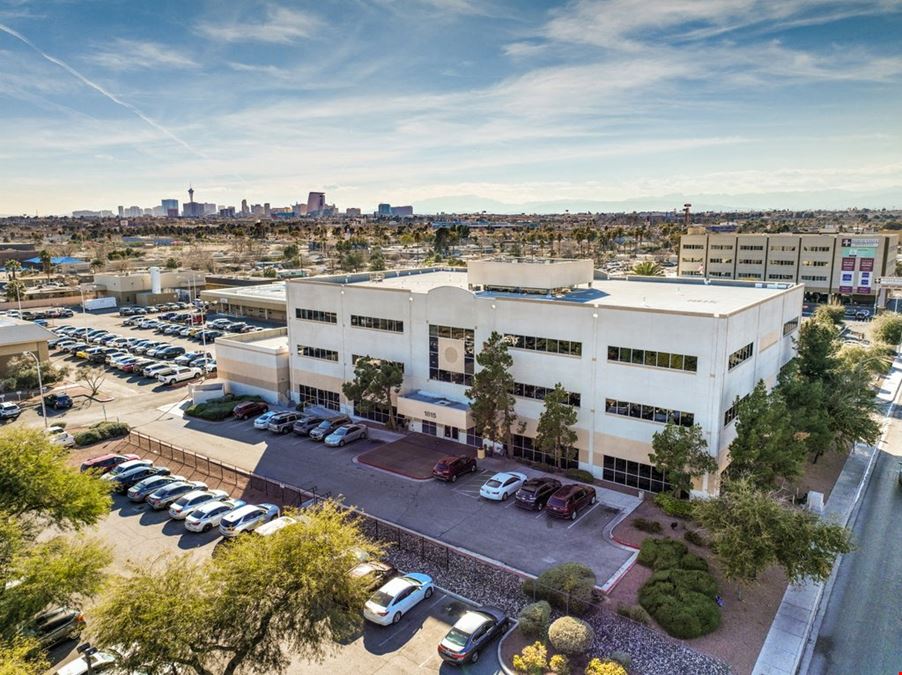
(246, 519)
(207, 516)
(101, 662)
(184, 505)
(274, 526)
(178, 374)
(262, 422)
(502, 485)
(397, 597)
(155, 369)
(60, 436)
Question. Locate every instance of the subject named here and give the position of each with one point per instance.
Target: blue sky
(105, 103)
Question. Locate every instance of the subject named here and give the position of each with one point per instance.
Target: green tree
(766, 446)
(12, 268)
(377, 259)
(680, 453)
(270, 273)
(351, 261)
(491, 395)
(831, 315)
(172, 264)
(374, 383)
(46, 261)
(290, 251)
(888, 328)
(818, 345)
(750, 530)
(647, 268)
(259, 603)
(22, 373)
(15, 290)
(19, 657)
(555, 435)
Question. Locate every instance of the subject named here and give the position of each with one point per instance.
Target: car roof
(567, 490)
(472, 620)
(504, 475)
(242, 511)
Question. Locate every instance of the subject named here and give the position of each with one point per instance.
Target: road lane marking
(582, 517)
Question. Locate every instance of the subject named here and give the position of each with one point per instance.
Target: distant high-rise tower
(170, 207)
(244, 210)
(190, 194)
(316, 202)
(192, 209)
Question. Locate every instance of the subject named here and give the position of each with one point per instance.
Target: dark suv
(104, 463)
(534, 493)
(247, 409)
(569, 500)
(326, 427)
(171, 353)
(58, 401)
(55, 625)
(307, 423)
(450, 467)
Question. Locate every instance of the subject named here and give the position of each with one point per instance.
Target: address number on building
(427, 413)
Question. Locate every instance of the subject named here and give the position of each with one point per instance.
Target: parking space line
(580, 519)
(438, 598)
(540, 513)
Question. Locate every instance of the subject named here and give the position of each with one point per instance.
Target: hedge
(568, 586)
(101, 431)
(218, 409)
(571, 636)
(581, 475)
(678, 508)
(534, 619)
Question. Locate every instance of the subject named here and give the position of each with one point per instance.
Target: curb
(608, 533)
(504, 668)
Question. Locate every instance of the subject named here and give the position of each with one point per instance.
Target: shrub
(832, 314)
(569, 635)
(218, 409)
(645, 525)
(599, 667)
(101, 431)
(567, 586)
(580, 475)
(22, 374)
(682, 602)
(533, 660)
(660, 553)
(534, 620)
(694, 537)
(559, 665)
(888, 328)
(677, 508)
(635, 612)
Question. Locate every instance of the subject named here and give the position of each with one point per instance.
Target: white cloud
(278, 25)
(125, 54)
(517, 50)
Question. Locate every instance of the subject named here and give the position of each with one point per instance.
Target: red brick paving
(414, 455)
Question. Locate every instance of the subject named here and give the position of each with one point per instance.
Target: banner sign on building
(846, 280)
(866, 265)
(848, 264)
(864, 282)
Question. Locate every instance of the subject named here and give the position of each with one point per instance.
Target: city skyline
(752, 103)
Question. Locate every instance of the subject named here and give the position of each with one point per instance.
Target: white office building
(634, 353)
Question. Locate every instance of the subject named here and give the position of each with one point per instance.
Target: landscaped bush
(101, 431)
(677, 508)
(533, 660)
(567, 586)
(534, 620)
(682, 601)
(569, 635)
(22, 374)
(218, 409)
(635, 612)
(645, 525)
(694, 537)
(559, 665)
(660, 553)
(599, 667)
(888, 328)
(580, 475)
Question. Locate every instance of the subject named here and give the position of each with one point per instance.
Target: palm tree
(13, 266)
(46, 261)
(647, 268)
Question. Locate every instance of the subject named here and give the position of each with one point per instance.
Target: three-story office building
(633, 353)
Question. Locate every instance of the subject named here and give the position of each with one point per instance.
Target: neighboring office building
(633, 353)
(829, 265)
(18, 337)
(255, 364)
(138, 288)
(259, 301)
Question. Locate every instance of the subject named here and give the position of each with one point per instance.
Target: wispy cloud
(278, 24)
(123, 54)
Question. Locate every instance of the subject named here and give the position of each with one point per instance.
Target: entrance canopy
(435, 408)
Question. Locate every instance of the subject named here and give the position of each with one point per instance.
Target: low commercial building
(265, 301)
(148, 287)
(18, 337)
(633, 353)
(255, 364)
(840, 266)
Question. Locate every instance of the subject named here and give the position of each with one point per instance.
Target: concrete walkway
(795, 622)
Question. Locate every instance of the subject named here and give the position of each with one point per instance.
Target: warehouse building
(265, 301)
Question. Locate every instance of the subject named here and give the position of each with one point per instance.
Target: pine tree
(555, 436)
(491, 395)
(373, 385)
(680, 453)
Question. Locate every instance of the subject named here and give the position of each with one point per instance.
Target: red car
(247, 409)
(450, 467)
(104, 463)
(569, 500)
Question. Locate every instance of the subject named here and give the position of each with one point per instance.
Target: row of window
(784, 263)
(732, 412)
(781, 277)
(524, 447)
(782, 248)
(750, 261)
(321, 397)
(317, 353)
(816, 249)
(721, 247)
(740, 355)
(694, 247)
(634, 474)
(751, 247)
(813, 277)
(649, 413)
(815, 263)
(463, 373)
(720, 261)
(790, 326)
(315, 315)
(375, 323)
(356, 357)
(647, 357)
(539, 393)
(549, 345)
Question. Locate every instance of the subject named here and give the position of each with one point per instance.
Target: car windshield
(381, 598)
(494, 483)
(457, 637)
(324, 425)
(341, 431)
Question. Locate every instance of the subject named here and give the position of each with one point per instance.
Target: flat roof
(15, 331)
(274, 292)
(673, 294)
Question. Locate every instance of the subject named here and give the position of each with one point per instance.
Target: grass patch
(218, 409)
(101, 431)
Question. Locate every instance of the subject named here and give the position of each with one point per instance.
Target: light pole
(84, 311)
(37, 362)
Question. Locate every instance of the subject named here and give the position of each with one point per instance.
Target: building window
(317, 353)
(649, 413)
(732, 412)
(693, 247)
(721, 247)
(782, 248)
(790, 326)
(539, 393)
(320, 397)
(653, 359)
(813, 277)
(750, 261)
(451, 432)
(750, 247)
(817, 249)
(463, 372)
(315, 315)
(634, 474)
(375, 323)
(356, 357)
(815, 263)
(782, 262)
(524, 448)
(724, 275)
(740, 355)
(379, 412)
(780, 277)
(692, 260)
(720, 261)
(473, 439)
(430, 428)
(547, 345)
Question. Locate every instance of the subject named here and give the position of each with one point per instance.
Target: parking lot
(137, 534)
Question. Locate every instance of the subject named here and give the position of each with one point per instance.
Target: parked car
(58, 401)
(122, 467)
(101, 662)
(281, 423)
(502, 485)
(247, 409)
(262, 422)
(207, 516)
(61, 437)
(373, 573)
(569, 500)
(178, 374)
(162, 498)
(123, 481)
(534, 493)
(328, 426)
(306, 423)
(472, 632)
(185, 504)
(171, 353)
(9, 411)
(136, 366)
(186, 358)
(247, 518)
(276, 525)
(346, 433)
(208, 367)
(144, 488)
(103, 463)
(53, 626)
(450, 467)
(393, 600)
(155, 369)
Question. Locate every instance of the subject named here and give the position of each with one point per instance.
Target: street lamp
(88, 651)
(37, 362)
